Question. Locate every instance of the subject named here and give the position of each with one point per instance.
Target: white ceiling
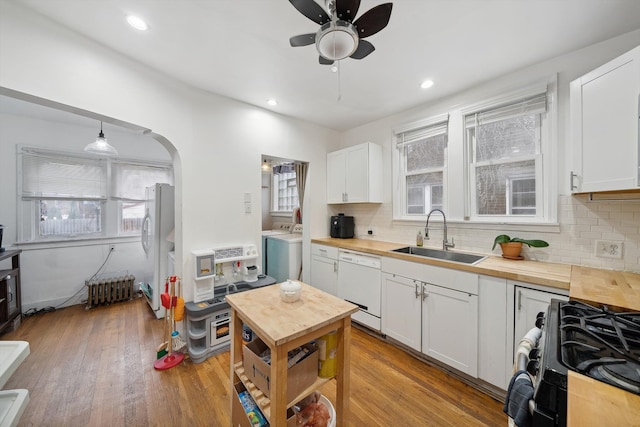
(240, 48)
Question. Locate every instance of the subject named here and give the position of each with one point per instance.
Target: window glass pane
(286, 192)
(415, 200)
(508, 138)
(491, 185)
(69, 217)
(429, 195)
(523, 196)
(428, 153)
(132, 215)
(128, 181)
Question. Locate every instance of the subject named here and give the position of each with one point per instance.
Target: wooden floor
(95, 368)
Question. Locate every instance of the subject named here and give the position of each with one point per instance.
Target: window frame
(28, 212)
(432, 126)
(275, 193)
(545, 157)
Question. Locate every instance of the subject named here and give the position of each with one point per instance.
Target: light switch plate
(609, 249)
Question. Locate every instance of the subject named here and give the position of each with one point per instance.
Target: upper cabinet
(604, 126)
(354, 174)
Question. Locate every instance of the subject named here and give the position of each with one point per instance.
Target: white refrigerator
(158, 224)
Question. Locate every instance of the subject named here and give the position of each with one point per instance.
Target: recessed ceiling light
(272, 102)
(137, 22)
(426, 84)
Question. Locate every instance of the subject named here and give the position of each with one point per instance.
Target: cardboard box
(239, 417)
(299, 376)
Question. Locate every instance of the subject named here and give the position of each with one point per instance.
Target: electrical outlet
(370, 231)
(609, 249)
(112, 248)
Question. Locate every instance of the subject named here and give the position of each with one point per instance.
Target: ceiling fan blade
(347, 9)
(364, 49)
(373, 20)
(324, 61)
(311, 10)
(302, 40)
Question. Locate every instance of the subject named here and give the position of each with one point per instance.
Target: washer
(284, 255)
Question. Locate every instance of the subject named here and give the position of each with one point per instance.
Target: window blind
(420, 134)
(533, 105)
(50, 176)
(129, 180)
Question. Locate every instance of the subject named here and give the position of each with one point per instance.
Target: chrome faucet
(445, 243)
(233, 286)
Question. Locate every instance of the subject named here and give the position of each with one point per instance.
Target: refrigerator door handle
(146, 224)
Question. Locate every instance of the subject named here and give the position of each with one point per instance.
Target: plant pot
(511, 250)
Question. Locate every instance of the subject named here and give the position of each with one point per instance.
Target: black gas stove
(594, 341)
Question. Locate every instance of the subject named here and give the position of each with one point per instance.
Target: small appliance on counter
(342, 226)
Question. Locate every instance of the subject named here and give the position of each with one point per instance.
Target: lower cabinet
(449, 327)
(402, 309)
(436, 320)
(324, 268)
(528, 303)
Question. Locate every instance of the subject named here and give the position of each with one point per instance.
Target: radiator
(106, 291)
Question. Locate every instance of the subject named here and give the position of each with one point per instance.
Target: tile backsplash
(581, 223)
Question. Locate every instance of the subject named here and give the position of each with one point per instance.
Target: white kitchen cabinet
(354, 174)
(444, 324)
(604, 126)
(402, 308)
(495, 332)
(324, 268)
(450, 327)
(528, 303)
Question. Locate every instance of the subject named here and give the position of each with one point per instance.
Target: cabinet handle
(2, 300)
(425, 294)
(335, 266)
(519, 300)
(418, 291)
(571, 184)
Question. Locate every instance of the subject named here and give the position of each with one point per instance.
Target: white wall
(580, 223)
(215, 142)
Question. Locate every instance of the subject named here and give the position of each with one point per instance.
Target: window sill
(282, 214)
(67, 243)
(506, 226)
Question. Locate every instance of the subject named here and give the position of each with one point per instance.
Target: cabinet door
(450, 328)
(604, 124)
(530, 302)
(324, 274)
(336, 176)
(357, 175)
(401, 308)
(494, 347)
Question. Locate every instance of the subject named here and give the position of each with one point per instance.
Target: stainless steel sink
(443, 255)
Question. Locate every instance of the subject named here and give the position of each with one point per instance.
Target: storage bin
(299, 376)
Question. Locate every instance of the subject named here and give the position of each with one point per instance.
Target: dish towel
(520, 391)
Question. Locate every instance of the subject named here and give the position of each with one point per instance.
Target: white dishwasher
(359, 282)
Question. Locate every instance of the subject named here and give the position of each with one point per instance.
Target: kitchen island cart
(283, 327)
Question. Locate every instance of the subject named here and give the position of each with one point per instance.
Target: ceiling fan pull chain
(339, 81)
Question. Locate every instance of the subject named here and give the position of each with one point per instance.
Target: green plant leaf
(534, 243)
(503, 238)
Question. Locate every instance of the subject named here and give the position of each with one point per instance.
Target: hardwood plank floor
(95, 368)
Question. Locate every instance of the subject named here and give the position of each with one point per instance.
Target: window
(284, 189)
(128, 183)
(68, 196)
(505, 159)
(422, 153)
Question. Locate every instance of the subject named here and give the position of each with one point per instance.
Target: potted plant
(511, 247)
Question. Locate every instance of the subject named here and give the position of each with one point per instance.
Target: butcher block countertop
(540, 273)
(616, 289)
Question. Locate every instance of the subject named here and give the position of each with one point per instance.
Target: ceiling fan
(339, 35)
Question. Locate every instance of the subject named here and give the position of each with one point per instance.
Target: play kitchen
(218, 273)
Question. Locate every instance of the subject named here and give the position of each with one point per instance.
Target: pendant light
(101, 146)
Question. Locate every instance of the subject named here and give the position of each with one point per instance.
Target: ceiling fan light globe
(337, 41)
